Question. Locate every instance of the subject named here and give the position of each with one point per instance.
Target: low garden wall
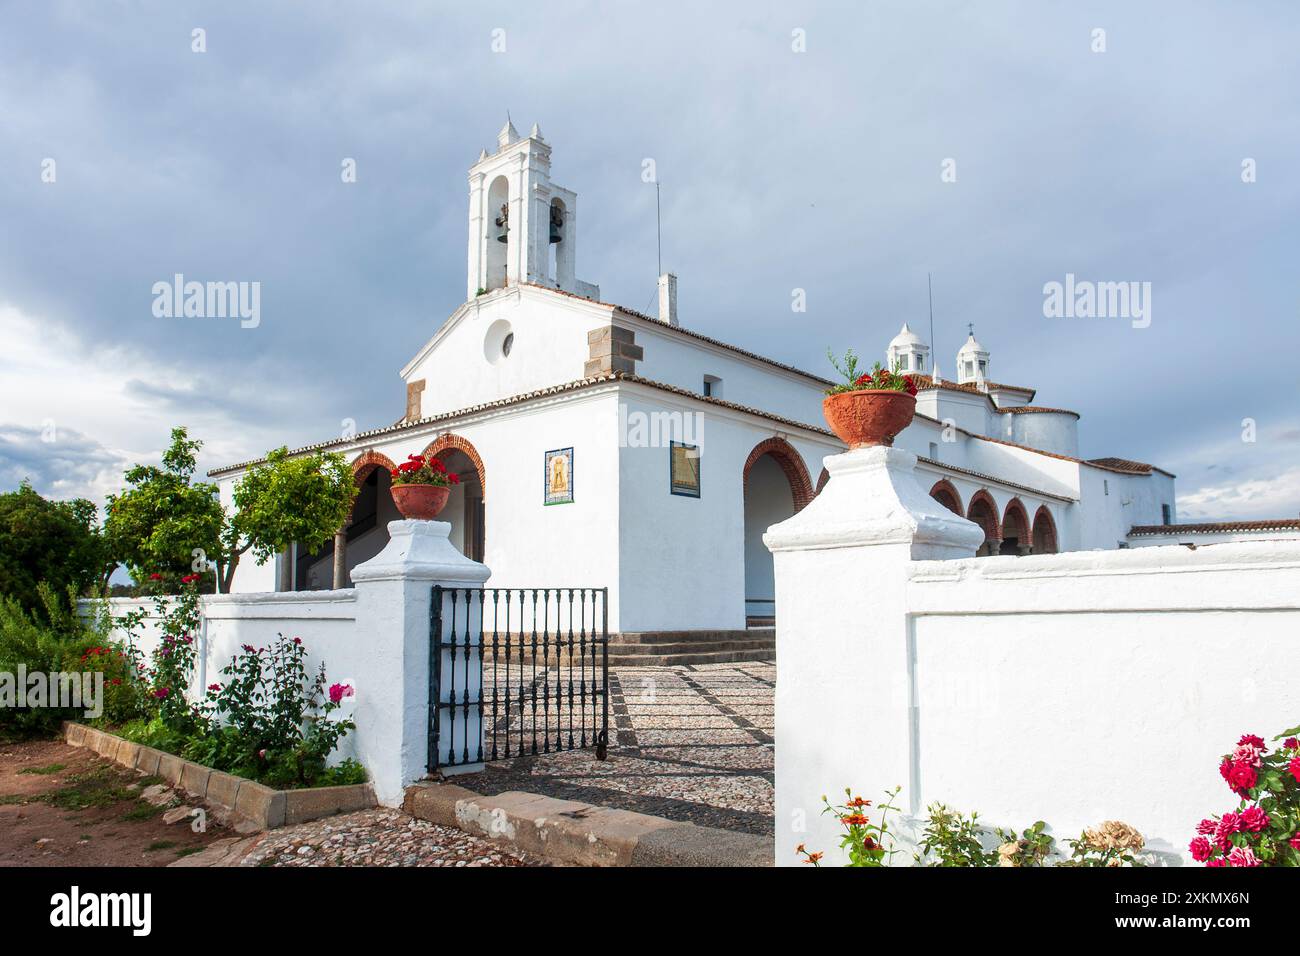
(373, 637)
(1071, 688)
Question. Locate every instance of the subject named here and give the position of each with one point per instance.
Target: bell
(555, 232)
(504, 237)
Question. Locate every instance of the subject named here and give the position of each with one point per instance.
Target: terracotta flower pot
(868, 416)
(420, 501)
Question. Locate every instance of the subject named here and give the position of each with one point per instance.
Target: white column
(843, 699)
(394, 592)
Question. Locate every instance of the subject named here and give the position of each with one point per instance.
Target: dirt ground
(66, 806)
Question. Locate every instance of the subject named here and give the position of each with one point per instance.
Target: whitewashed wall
(1100, 685)
(1071, 688)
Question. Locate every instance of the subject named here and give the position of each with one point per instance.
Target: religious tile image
(559, 477)
(684, 469)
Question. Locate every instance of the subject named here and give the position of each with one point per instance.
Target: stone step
(677, 637)
(678, 659)
(691, 647)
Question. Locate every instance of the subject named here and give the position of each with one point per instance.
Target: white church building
(601, 447)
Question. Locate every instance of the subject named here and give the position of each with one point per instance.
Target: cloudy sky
(780, 169)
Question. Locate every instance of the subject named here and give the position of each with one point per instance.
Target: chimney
(668, 298)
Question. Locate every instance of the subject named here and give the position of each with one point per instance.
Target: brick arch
(944, 489)
(367, 462)
(1015, 509)
(983, 510)
(791, 462)
(1043, 534)
(824, 477)
(443, 445)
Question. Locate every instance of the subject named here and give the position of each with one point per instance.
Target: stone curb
(245, 800)
(582, 834)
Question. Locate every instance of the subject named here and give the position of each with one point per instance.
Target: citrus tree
(167, 524)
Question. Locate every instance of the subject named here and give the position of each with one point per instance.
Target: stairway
(668, 648)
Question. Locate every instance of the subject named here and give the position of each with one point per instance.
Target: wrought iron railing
(517, 671)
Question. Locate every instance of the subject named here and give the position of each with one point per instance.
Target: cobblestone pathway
(691, 743)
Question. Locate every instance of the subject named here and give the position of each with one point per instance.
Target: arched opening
(1015, 529)
(363, 537)
(944, 493)
(501, 233)
(1044, 535)
(465, 510)
(985, 514)
(776, 485)
(558, 245)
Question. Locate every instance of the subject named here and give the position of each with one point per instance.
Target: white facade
(539, 364)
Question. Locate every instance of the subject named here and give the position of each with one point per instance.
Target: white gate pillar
(843, 693)
(394, 596)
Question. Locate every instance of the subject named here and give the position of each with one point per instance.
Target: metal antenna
(929, 288)
(659, 241)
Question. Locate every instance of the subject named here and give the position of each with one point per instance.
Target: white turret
(972, 361)
(908, 353)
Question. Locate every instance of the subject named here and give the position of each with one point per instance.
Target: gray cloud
(779, 170)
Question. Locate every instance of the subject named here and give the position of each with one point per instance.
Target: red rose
(1253, 819)
(1294, 767)
(1291, 743)
(155, 576)
(453, 479)
(1242, 776)
(1252, 740)
(1201, 849)
(863, 379)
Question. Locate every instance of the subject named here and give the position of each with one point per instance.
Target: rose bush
(1264, 829)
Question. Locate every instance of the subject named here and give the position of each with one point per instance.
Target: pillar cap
(421, 551)
(873, 498)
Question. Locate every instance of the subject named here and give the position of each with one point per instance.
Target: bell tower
(522, 226)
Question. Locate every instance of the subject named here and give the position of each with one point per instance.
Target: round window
(498, 341)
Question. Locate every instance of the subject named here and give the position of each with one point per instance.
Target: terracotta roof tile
(1035, 410)
(1212, 527)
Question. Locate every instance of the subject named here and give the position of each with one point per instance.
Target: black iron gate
(517, 671)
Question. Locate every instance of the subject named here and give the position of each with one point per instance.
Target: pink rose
(339, 691)
(1295, 842)
(1294, 767)
(1201, 849)
(1217, 861)
(1253, 819)
(1247, 754)
(1207, 827)
(1251, 740)
(1242, 856)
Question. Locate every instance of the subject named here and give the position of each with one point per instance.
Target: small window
(902, 362)
(920, 362)
(712, 386)
(934, 451)
(1122, 545)
(984, 366)
(507, 345)
(970, 368)
(1166, 515)
(1105, 485)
